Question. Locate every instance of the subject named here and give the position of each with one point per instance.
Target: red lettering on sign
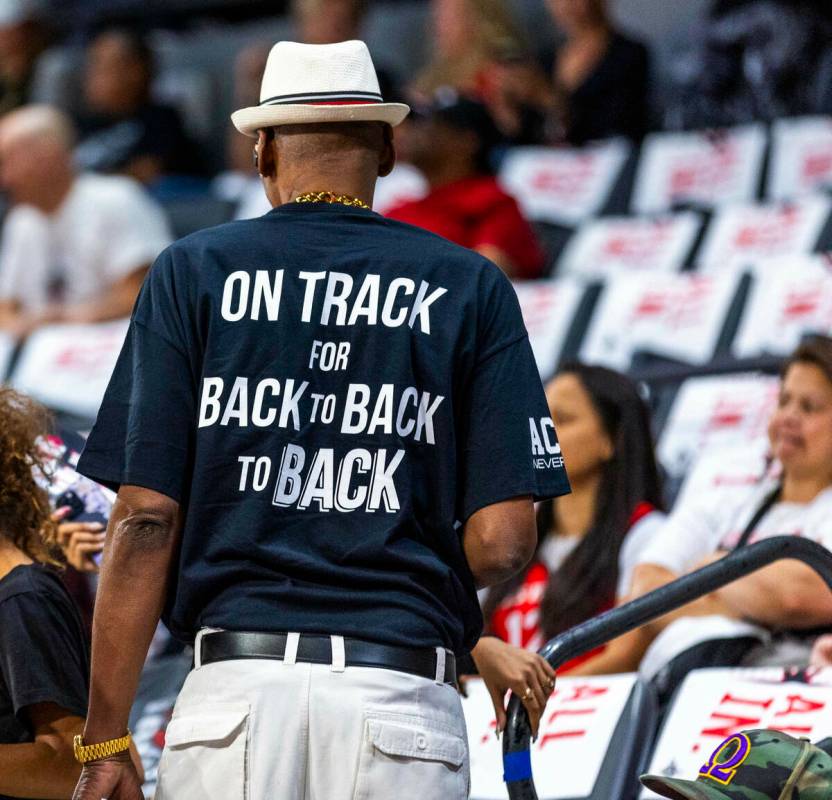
(585, 692)
(800, 705)
(729, 698)
(569, 711)
(732, 724)
(549, 737)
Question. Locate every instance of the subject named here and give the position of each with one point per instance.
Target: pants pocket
(411, 759)
(206, 753)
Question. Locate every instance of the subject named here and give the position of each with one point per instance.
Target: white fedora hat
(318, 83)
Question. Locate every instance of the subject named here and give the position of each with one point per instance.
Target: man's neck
(289, 188)
(53, 196)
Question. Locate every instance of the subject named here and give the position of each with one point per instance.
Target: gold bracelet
(85, 753)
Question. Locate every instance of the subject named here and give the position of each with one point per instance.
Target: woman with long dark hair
(43, 655)
(588, 540)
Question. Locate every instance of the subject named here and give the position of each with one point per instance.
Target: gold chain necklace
(329, 197)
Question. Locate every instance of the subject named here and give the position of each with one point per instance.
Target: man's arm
(45, 768)
(142, 538)
(500, 539)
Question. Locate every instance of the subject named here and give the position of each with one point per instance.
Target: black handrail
(614, 623)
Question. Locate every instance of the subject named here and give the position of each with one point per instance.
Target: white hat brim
(250, 120)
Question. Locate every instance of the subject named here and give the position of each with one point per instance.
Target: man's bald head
(38, 124)
(36, 155)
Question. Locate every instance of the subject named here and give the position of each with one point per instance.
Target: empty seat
(699, 168)
(801, 157)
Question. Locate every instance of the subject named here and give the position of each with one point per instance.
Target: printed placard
(612, 245)
(679, 316)
(743, 234)
(789, 299)
(716, 412)
(713, 704)
(68, 367)
(700, 168)
(801, 156)
(575, 733)
(563, 185)
(548, 310)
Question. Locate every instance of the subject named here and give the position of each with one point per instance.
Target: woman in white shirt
(786, 595)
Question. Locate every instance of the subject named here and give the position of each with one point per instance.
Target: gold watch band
(85, 753)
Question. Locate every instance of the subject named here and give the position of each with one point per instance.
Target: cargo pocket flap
(417, 742)
(209, 723)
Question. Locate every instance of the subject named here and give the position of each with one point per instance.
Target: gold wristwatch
(93, 752)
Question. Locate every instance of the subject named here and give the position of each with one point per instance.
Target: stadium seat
(699, 169)
(712, 704)
(563, 185)
(556, 313)
(742, 234)
(714, 412)
(789, 298)
(67, 367)
(595, 736)
(605, 247)
(801, 156)
(675, 316)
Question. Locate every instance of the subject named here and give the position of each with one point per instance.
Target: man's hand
(503, 667)
(111, 778)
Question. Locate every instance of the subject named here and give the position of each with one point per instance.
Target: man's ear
(388, 153)
(264, 154)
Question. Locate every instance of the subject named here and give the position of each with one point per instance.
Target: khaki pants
(276, 730)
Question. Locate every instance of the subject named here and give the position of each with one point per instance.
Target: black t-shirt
(43, 653)
(107, 143)
(328, 393)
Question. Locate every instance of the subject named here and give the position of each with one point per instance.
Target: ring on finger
(528, 694)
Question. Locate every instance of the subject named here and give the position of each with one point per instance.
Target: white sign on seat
(611, 245)
(575, 733)
(716, 412)
(699, 168)
(713, 704)
(742, 234)
(563, 185)
(801, 156)
(548, 310)
(678, 316)
(788, 299)
(67, 367)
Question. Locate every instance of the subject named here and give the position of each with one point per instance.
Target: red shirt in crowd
(476, 212)
(517, 618)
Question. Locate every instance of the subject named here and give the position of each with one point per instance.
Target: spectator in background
(787, 596)
(588, 541)
(822, 652)
(452, 144)
(23, 38)
(600, 75)
(75, 246)
(123, 130)
(44, 664)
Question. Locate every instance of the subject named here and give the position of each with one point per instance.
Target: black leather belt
(317, 649)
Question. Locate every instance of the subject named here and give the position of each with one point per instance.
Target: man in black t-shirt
(327, 431)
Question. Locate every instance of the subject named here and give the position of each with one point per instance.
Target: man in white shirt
(75, 247)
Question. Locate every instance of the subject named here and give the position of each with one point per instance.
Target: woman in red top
(587, 540)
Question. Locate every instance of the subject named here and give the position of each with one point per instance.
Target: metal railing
(611, 624)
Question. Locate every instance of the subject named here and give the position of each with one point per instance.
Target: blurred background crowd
(654, 175)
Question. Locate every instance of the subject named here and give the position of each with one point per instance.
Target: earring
(255, 158)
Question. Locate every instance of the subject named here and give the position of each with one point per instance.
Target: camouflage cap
(755, 765)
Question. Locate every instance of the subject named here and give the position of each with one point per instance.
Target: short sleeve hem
(97, 466)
